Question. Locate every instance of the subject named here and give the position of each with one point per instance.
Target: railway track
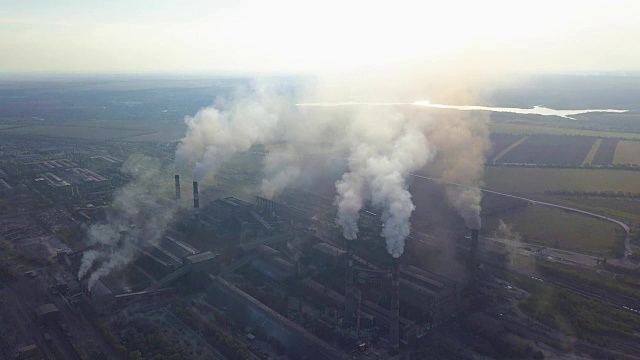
(619, 301)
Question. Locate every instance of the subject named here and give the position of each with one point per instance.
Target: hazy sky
(317, 36)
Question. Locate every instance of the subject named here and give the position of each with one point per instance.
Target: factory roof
(45, 309)
(231, 201)
(71, 176)
(237, 201)
(270, 269)
(267, 250)
(382, 314)
(4, 185)
(203, 256)
(180, 244)
(329, 249)
(53, 164)
(100, 289)
(406, 284)
(335, 296)
(426, 279)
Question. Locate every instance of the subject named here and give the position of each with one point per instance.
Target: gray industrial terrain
(108, 250)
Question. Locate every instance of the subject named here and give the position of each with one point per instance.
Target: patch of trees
(577, 276)
(618, 247)
(145, 340)
(231, 348)
(586, 319)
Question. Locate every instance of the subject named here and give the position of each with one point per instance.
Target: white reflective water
(536, 110)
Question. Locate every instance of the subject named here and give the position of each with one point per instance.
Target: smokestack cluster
(379, 158)
(349, 306)
(178, 195)
(196, 201)
(394, 327)
(372, 165)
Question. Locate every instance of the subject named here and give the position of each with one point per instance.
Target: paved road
(624, 226)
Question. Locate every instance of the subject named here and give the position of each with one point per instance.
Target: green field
(557, 228)
(592, 153)
(77, 132)
(522, 129)
(621, 208)
(538, 180)
(102, 130)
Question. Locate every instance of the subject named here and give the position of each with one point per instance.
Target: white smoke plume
(381, 146)
(214, 135)
(141, 212)
(280, 168)
(315, 144)
(350, 199)
(505, 231)
(462, 141)
(376, 148)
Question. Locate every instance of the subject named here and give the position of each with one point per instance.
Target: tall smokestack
(348, 296)
(178, 195)
(473, 254)
(196, 201)
(394, 327)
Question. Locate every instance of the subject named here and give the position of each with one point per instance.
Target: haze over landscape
(319, 180)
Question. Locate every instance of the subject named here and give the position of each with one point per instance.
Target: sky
(318, 37)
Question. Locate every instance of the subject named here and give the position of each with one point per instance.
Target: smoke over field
(375, 149)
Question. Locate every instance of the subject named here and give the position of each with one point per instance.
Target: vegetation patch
(585, 319)
(592, 153)
(77, 132)
(627, 152)
(624, 208)
(558, 228)
(550, 150)
(500, 142)
(525, 129)
(605, 153)
(540, 180)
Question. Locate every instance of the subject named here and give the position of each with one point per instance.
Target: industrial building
(430, 298)
(73, 181)
(272, 264)
(99, 295)
(48, 314)
(363, 302)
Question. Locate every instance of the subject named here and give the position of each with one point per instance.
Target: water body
(536, 110)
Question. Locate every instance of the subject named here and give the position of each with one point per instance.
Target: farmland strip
(592, 153)
(605, 153)
(511, 147)
(550, 150)
(627, 152)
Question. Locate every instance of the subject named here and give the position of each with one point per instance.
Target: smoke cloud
(141, 212)
(214, 135)
(462, 141)
(386, 147)
(372, 149)
(505, 231)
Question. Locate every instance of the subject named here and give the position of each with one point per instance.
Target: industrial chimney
(196, 201)
(177, 187)
(394, 321)
(349, 306)
(473, 253)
